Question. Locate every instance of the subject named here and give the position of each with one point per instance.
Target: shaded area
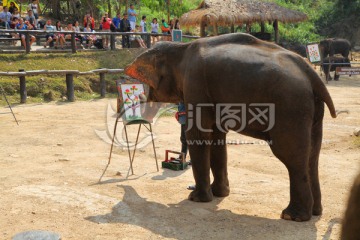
(201, 219)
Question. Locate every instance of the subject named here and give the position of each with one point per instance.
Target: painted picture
(313, 53)
(176, 35)
(131, 101)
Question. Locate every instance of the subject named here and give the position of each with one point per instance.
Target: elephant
(351, 221)
(295, 47)
(217, 76)
(331, 46)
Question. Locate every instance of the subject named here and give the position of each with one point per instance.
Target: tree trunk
(109, 8)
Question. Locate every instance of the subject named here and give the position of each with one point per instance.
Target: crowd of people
(10, 19)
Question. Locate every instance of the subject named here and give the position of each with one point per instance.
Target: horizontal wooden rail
(69, 74)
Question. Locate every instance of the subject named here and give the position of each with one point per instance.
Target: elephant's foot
(220, 190)
(201, 196)
(317, 210)
(295, 214)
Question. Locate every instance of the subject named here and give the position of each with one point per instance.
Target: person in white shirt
(154, 30)
(34, 7)
(143, 27)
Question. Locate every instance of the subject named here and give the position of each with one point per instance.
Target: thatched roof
(228, 12)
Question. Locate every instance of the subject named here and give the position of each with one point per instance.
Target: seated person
(69, 28)
(15, 14)
(5, 18)
(89, 39)
(31, 18)
(49, 29)
(138, 37)
(25, 26)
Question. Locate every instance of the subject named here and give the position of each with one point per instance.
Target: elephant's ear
(145, 68)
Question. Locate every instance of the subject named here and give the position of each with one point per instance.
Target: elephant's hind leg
(218, 164)
(316, 139)
(294, 152)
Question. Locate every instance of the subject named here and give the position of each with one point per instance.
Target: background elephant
(351, 221)
(339, 62)
(331, 46)
(215, 77)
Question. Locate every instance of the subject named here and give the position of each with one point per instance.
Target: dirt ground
(51, 163)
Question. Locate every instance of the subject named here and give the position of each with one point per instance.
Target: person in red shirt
(106, 23)
(89, 19)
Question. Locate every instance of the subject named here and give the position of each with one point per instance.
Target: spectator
(125, 27)
(69, 28)
(138, 38)
(165, 29)
(89, 19)
(59, 36)
(12, 8)
(25, 26)
(116, 21)
(106, 23)
(132, 16)
(154, 30)
(143, 27)
(5, 18)
(14, 22)
(177, 24)
(77, 31)
(31, 18)
(34, 7)
(50, 36)
(15, 13)
(90, 39)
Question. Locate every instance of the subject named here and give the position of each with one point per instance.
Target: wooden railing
(112, 35)
(69, 79)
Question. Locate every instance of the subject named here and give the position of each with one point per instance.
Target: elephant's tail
(321, 91)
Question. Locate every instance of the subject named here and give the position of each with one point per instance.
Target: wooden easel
(140, 122)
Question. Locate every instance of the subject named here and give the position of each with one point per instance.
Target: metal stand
(3, 93)
(131, 156)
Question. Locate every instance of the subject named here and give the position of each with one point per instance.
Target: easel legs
(131, 158)
(3, 93)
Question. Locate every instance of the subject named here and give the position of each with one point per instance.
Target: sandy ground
(50, 165)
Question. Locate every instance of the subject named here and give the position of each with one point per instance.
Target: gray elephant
(229, 82)
(328, 66)
(351, 221)
(332, 46)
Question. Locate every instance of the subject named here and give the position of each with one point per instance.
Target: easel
(3, 93)
(140, 122)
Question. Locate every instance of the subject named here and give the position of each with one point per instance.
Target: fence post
(70, 87)
(148, 40)
(23, 93)
(73, 43)
(112, 42)
(27, 42)
(102, 85)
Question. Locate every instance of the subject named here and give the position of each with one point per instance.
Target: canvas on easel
(131, 101)
(313, 53)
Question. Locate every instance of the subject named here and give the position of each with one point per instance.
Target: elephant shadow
(167, 173)
(191, 220)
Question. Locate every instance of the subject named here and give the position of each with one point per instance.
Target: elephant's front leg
(199, 149)
(218, 164)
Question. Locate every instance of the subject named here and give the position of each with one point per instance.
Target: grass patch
(86, 87)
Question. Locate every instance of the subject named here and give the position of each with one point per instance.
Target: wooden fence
(112, 35)
(69, 76)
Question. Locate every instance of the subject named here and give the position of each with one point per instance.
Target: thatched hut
(237, 12)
